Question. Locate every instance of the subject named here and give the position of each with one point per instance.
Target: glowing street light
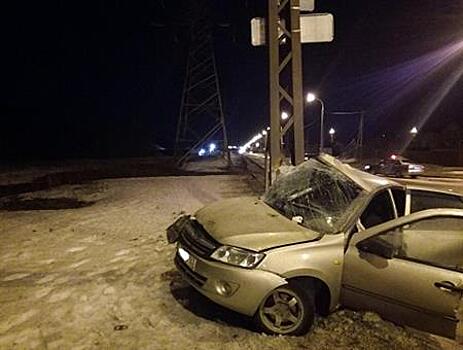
(414, 131)
(242, 149)
(284, 115)
(332, 132)
(212, 147)
(311, 97)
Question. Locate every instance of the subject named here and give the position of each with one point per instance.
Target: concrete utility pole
(285, 78)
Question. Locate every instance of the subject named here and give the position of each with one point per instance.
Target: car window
(379, 210)
(436, 241)
(316, 192)
(399, 199)
(422, 200)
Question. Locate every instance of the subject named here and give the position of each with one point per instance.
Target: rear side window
(422, 200)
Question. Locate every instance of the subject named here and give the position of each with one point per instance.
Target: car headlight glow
(237, 256)
(415, 168)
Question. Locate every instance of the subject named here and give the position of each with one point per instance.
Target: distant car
(395, 166)
(324, 235)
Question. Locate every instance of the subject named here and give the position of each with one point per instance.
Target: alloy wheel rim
(282, 311)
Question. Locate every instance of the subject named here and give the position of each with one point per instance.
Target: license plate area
(189, 259)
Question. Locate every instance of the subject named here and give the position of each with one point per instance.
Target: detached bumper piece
(192, 235)
(174, 230)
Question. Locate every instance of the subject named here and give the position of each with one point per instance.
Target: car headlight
(237, 256)
(415, 168)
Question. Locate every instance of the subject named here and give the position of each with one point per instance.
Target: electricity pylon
(201, 118)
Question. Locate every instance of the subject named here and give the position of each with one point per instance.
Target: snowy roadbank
(100, 275)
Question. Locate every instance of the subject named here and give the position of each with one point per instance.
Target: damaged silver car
(327, 235)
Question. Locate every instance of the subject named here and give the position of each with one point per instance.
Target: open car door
(409, 270)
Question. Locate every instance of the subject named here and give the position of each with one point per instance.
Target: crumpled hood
(249, 223)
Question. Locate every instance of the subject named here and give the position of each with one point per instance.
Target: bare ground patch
(43, 204)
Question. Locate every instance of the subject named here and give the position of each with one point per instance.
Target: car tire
(287, 310)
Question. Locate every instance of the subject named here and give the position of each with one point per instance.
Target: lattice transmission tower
(201, 118)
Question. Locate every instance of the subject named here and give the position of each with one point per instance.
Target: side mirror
(377, 246)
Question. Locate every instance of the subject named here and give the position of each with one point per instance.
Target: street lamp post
(332, 132)
(311, 98)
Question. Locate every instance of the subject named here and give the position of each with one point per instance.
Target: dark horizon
(104, 79)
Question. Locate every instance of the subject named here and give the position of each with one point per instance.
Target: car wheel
(288, 310)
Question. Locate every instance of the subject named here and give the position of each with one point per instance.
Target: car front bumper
(236, 288)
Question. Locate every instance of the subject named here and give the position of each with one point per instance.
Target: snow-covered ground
(99, 275)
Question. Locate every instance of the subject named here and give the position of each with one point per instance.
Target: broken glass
(320, 194)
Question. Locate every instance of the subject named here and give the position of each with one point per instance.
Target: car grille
(190, 275)
(196, 240)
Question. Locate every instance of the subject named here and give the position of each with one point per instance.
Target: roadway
(445, 178)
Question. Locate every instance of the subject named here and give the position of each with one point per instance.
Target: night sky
(104, 78)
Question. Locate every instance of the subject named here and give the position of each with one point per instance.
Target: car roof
(436, 186)
(372, 183)
(366, 181)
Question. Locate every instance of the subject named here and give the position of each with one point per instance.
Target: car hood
(250, 223)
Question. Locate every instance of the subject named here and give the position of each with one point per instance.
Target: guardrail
(255, 166)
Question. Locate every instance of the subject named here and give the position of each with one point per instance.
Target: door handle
(448, 286)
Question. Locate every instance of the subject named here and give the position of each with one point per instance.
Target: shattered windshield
(315, 195)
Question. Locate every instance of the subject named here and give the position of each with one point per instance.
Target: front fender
(322, 260)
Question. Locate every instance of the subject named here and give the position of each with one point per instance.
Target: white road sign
(317, 28)
(258, 31)
(307, 5)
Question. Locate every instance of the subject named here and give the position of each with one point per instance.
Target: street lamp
(212, 148)
(332, 132)
(414, 131)
(311, 98)
(284, 115)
